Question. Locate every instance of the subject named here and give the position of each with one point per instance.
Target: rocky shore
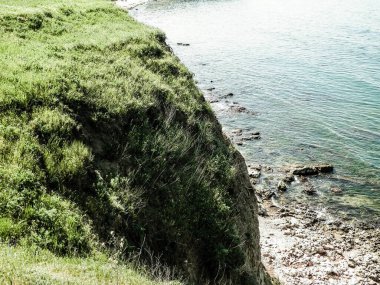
(302, 246)
(302, 243)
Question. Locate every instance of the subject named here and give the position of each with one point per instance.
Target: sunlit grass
(103, 130)
(22, 265)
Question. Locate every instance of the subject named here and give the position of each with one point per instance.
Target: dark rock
(325, 168)
(312, 169)
(228, 95)
(282, 186)
(288, 178)
(210, 89)
(239, 109)
(255, 133)
(214, 101)
(183, 44)
(239, 143)
(305, 170)
(251, 138)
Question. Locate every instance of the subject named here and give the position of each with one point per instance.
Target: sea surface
(309, 70)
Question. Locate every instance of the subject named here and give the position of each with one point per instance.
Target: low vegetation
(104, 140)
(33, 265)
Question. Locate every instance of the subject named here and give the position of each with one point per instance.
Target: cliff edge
(106, 144)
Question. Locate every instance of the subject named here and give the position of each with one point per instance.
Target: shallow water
(311, 71)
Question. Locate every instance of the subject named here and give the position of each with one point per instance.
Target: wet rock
(336, 189)
(239, 143)
(183, 44)
(282, 186)
(250, 138)
(255, 133)
(325, 168)
(309, 189)
(288, 178)
(239, 109)
(228, 95)
(254, 173)
(237, 132)
(214, 101)
(210, 89)
(312, 169)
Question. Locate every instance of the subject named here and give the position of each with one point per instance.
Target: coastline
(129, 4)
(301, 245)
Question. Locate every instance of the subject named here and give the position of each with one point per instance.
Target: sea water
(309, 70)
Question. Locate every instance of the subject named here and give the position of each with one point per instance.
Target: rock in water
(253, 173)
(309, 189)
(288, 178)
(336, 189)
(312, 169)
(282, 186)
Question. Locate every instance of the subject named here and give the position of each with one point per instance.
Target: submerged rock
(228, 95)
(237, 132)
(239, 109)
(336, 189)
(311, 169)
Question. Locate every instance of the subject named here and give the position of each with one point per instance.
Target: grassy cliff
(107, 144)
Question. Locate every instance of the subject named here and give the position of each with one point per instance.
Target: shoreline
(300, 245)
(129, 4)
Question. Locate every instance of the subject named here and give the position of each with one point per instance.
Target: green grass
(31, 265)
(103, 130)
(35, 6)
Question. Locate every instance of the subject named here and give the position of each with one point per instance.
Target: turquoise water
(309, 68)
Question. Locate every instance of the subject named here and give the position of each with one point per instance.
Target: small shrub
(9, 230)
(48, 123)
(66, 161)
